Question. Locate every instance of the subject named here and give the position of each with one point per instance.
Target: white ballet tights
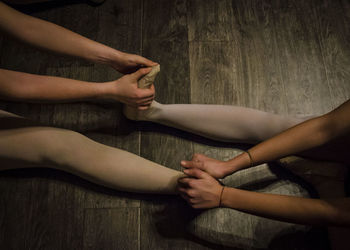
(72, 152)
(219, 122)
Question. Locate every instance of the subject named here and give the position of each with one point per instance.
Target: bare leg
(72, 152)
(218, 122)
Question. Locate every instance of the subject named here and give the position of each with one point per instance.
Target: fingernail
(185, 171)
(183, 163)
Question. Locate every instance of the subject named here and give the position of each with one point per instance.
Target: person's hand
(128, 63)
(125, 90)
(200, 189)
(217, 169)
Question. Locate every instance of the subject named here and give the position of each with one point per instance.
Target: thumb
(193, 164)
(140, 73)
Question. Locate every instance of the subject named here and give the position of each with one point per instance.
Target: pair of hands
(125, 89)
(200, 188)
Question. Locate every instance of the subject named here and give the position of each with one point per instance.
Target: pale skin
(49, 36)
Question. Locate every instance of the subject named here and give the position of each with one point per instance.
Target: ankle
(152, 114)
(155, 112)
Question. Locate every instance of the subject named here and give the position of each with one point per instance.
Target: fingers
(140, 73)
(144, 107)
(145, 93)
(196, 172)
(192, 164)
(195, 162)
(186, 182)
(187, 193)
(144, 61)
(191, 196)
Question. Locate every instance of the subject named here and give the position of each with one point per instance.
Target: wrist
(239, 162)
(106, 91)
(220, 197)
(230, 198)
(106, 55)
(224, 201)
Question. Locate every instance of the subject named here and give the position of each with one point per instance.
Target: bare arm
(307, 135)
(332, 212)
(202, 191)
(55, 38)
(36, 88)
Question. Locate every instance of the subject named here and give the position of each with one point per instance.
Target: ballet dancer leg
(218, 122)
(74, 153)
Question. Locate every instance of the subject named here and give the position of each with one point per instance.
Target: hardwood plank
(263, 84)
(25, 212)
(302, 66)
(111, 228)
(332, 29)
(102, 123)
(211, 21)
(165, 42)
(66, 228)
(216, 73)
(119, 25)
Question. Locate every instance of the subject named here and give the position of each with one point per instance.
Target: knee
(59, 145)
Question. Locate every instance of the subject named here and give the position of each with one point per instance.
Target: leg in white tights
(72, 152)
(218, 122)
(75, 153)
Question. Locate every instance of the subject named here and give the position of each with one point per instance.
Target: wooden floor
(283, 56)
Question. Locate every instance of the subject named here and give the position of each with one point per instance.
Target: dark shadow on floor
(47, 5)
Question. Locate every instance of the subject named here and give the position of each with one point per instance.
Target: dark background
(282, 56)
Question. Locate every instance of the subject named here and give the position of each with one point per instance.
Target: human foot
(147, 80)
(149, 114)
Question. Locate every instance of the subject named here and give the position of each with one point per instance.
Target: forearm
(37, 88)
(52, 37)
(307, 135)
(287, 208)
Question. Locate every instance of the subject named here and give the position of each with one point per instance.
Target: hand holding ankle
(216, 168)
(128, 63)
(126, 90)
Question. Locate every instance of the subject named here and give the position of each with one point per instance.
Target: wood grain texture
(211, 21)
(263, 85)
(26, 215)
(216, 68)
(332, 29)
(165, 41)
(280, 56)
(111, 228)
(302, 66)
